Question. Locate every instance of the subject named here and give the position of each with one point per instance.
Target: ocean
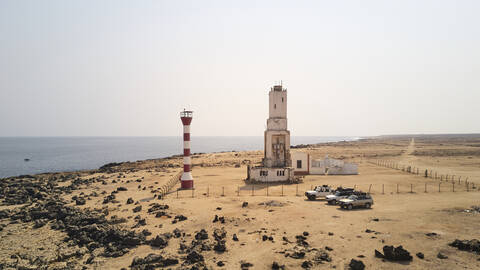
(56, 154)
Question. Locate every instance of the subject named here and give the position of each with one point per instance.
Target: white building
(277, 162)
(304, 164)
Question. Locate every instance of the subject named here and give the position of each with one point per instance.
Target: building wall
(263, 174)
(304, 158)
(332, 167)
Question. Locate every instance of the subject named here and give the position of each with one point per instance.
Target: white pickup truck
(319, 192)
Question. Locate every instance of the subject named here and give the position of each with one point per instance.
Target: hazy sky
(121, 68)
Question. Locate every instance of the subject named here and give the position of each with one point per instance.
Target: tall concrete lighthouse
(186, 179)
(277, 163)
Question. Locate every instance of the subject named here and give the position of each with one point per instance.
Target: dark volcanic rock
(245, 265)
(378, 254)
(201, 235)
(137, 209)
(392, 253)
(122, 189)
(219, 236)
(194, 257)
(467, 245)
(244, 204)
(442, 256)
(180, 218)
(277, 266)
(109, 199)
(298, 255)
(322, 256)
(129, 201)
(160, 241)
(420, 255)
(220, 263)
(356, 265)
(80, 201)
(83, 227)
(307, 264)
(152, 261)
(234, 237)
(157, 207)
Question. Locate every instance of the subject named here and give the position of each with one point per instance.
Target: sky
(127, 68)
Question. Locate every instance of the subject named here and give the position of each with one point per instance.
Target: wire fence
(285, 190)
(425, 172)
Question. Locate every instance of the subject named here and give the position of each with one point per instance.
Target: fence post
(453, 186)
(397, 188)
(253, 190)
(467, 186)
(459, 178)
(369, 188)
(383, 188)
(296, 193)
(223, 191)
(193, 194)
(208, 191)
(439, 187)
(282, 190)
(425, 187)
(411, 188)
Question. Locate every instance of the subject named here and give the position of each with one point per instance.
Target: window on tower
(282, 99)
(274, 106)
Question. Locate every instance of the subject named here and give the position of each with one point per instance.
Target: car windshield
(338, 193)
(353, 197)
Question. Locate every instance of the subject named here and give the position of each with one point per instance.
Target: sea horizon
(22, 155)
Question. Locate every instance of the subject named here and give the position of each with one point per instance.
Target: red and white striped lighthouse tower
(187, 179)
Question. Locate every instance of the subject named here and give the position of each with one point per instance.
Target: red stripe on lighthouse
(186, 152)
(186, 136)
(186, 167)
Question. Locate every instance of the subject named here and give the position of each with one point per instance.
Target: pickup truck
(358, 200)
(319, 192)
(341, 193)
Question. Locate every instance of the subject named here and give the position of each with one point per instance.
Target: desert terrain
(116, 216)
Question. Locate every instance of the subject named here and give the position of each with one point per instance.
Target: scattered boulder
(194, 257)
(234, 237)
(245, 265)
(152, 261)
(80, 201)
(160, 241)
(137, 209)
(201, 235)
(220, 263)
(322, 256)
(129, 201)
(467, 245)
(392, 253)
(244, 204)
(356, 265)
(442, 256)
(122, 189)
(277, 266)
(307, 264)
(420, 255)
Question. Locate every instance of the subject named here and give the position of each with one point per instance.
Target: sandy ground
(404, 217)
